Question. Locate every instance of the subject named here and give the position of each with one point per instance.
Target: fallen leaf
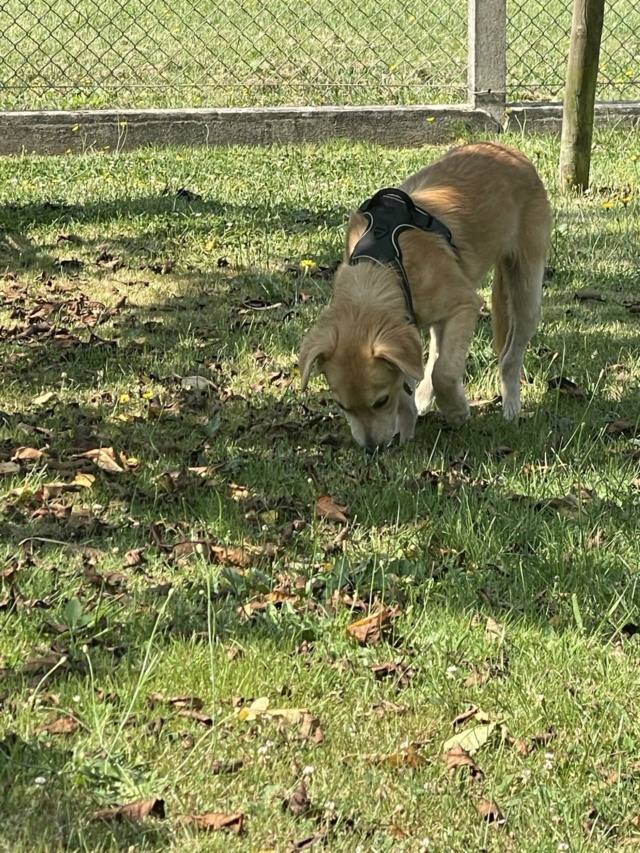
(472, 712)
(494, 631)
(489, 811)
(621, 426)
(28, 454)
(371, 628)
(41, 399)
(9, 468)
(134, 558)
(407, 756)
(186, 702)
(104, 457)
(566, 386)
(196, 383)
(214, 821)
(305, 844)
(299, 801)
(137, 811)
(60, 726)
(203, 719)
(327, 507)
(471, 739)
(310, 729)
(256, 709)
(83, 480)
(457, 757)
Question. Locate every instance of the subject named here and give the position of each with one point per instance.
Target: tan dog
(491, 200)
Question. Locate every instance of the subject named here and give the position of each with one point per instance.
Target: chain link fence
(82, 54)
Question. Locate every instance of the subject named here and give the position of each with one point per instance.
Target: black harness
(389, 213)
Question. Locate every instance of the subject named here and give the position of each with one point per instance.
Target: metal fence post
(487, 72)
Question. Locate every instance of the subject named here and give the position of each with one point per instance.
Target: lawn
(78, 54)
(187, 540)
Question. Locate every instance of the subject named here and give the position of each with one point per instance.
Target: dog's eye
(381, 403)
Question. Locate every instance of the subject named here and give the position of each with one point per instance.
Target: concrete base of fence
(118, 130)
(86, 130)
(547, 118)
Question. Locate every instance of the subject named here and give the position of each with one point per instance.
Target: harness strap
(389, 213)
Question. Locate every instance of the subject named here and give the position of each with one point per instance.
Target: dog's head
(366, 354)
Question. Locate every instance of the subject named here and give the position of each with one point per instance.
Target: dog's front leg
(407, 412)
(448, 370)
(425, 395)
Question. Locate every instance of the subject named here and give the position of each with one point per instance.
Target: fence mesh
(538, 42)
(156, 53)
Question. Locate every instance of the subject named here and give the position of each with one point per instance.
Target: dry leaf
(9, 468)
(256, 709)
(327, 507)
(370, 629)
(214, 821)
(566, 386)
(310, 729)
(473, 711)
(28, 454)
(41, 399)
(305, 844)
(489, 811)
(457, 757)
(196, 383)
(104, 457)
(299, 801)
(137, 811)
(61, 726)
(83, 480)
(182, 702)
(494, 631)
(406, 757)
(470, 739)
(203, 719)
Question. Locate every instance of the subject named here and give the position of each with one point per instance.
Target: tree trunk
(579, 94)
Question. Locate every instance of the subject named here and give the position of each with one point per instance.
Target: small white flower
(309, 770)
(40, 780)
(549, 756)
(562, 845)
(548, 765)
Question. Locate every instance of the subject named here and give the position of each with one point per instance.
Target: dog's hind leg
(425, 395)
(517, 297)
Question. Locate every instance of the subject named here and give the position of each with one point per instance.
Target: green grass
(452, 529)
(78, 54)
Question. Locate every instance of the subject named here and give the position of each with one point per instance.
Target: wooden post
(580, 94)
(487, 69)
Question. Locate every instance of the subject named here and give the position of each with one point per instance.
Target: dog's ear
(402, 347)
(317, 346)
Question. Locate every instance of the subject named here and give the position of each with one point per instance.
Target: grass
(119, 288)
(78, 54)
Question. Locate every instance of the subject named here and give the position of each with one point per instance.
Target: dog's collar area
(389, 213)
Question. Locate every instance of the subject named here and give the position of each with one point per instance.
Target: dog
(414, 258)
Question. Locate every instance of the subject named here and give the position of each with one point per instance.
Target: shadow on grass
(432, 523)
(38, 814)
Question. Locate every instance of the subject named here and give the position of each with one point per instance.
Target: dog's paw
(511, 409)
(457, 419)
